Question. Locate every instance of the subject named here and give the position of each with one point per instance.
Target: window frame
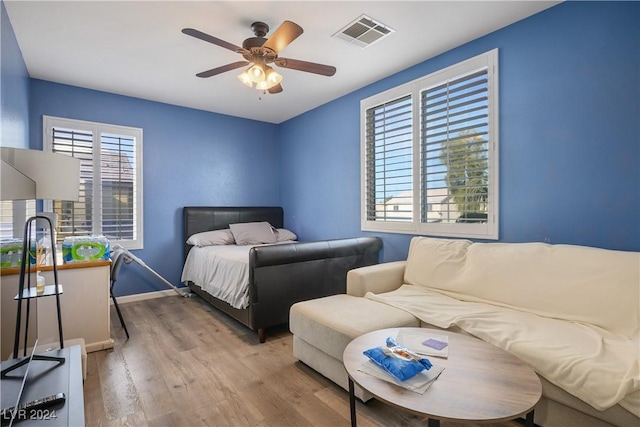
(97, 129)
(487, 230)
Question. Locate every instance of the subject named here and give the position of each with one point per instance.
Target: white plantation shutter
(455, 150)
(76, 218)
(389, 161)
(118, 183)
(430, 153)
(6, 219)
(13, 216)
(110, 201)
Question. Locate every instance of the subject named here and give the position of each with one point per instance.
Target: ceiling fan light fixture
(272, 77)
(256, 73)
(245, 79)
(263, 85)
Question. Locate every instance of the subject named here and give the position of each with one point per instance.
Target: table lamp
(34, 174)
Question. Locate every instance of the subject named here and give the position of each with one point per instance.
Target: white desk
(85, 306)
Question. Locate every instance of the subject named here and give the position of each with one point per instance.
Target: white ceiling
(136, 48)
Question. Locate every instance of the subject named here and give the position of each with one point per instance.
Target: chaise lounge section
(570, 312)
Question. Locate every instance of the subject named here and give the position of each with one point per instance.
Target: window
(13, 216)
(110, 200)
(429, 153)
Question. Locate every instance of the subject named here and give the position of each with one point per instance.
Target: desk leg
(528, 422)
(352, 403)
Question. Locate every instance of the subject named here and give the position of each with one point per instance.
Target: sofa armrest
(378, 279)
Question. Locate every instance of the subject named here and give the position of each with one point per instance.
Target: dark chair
(117, 258)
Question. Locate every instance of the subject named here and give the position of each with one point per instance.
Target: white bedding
(222, 271)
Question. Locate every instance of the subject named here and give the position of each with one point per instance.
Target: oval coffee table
(480, 382)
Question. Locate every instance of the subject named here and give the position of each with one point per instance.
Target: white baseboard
(147, 295)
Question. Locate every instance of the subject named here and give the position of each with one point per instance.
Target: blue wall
(190, 157)
(14, 88)
(569, 135)
(569, 129)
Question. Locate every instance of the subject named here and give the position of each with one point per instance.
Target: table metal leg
(528, 422)
(352, 403)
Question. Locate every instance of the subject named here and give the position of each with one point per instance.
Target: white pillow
(253, 233)
(283, 235)
(210, 238)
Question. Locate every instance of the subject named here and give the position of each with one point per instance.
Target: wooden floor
(186, 364)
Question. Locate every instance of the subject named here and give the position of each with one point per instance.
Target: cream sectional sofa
(570, 312)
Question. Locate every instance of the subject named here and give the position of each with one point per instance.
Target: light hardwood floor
(186, 364)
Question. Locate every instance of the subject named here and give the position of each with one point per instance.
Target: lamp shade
(56, 176)
(272, 77)
(245, 79)
(256, 73)
(14, 185)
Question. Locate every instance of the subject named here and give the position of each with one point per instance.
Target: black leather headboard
(206, 218)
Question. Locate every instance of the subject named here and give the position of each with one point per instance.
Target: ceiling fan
(260, 52)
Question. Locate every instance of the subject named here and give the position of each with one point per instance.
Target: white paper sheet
(419, 383)
(413, 340)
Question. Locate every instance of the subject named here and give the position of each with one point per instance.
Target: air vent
(363, 31)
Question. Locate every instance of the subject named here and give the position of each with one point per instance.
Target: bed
(277, 275)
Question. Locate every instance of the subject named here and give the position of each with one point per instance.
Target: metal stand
(30, 292)
(131, 257)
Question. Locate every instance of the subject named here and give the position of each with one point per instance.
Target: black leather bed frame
(281, 275)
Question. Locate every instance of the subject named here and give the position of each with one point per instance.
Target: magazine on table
(424, 343)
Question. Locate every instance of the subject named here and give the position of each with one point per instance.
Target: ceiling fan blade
(276, 89)
(309, 67)
(207, 38)
(282, 36)
(224, 68)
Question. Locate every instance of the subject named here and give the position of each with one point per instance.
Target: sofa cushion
(330, 323)
(435, 262)
(575, 283)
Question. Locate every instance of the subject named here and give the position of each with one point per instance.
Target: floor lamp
(33, 174)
